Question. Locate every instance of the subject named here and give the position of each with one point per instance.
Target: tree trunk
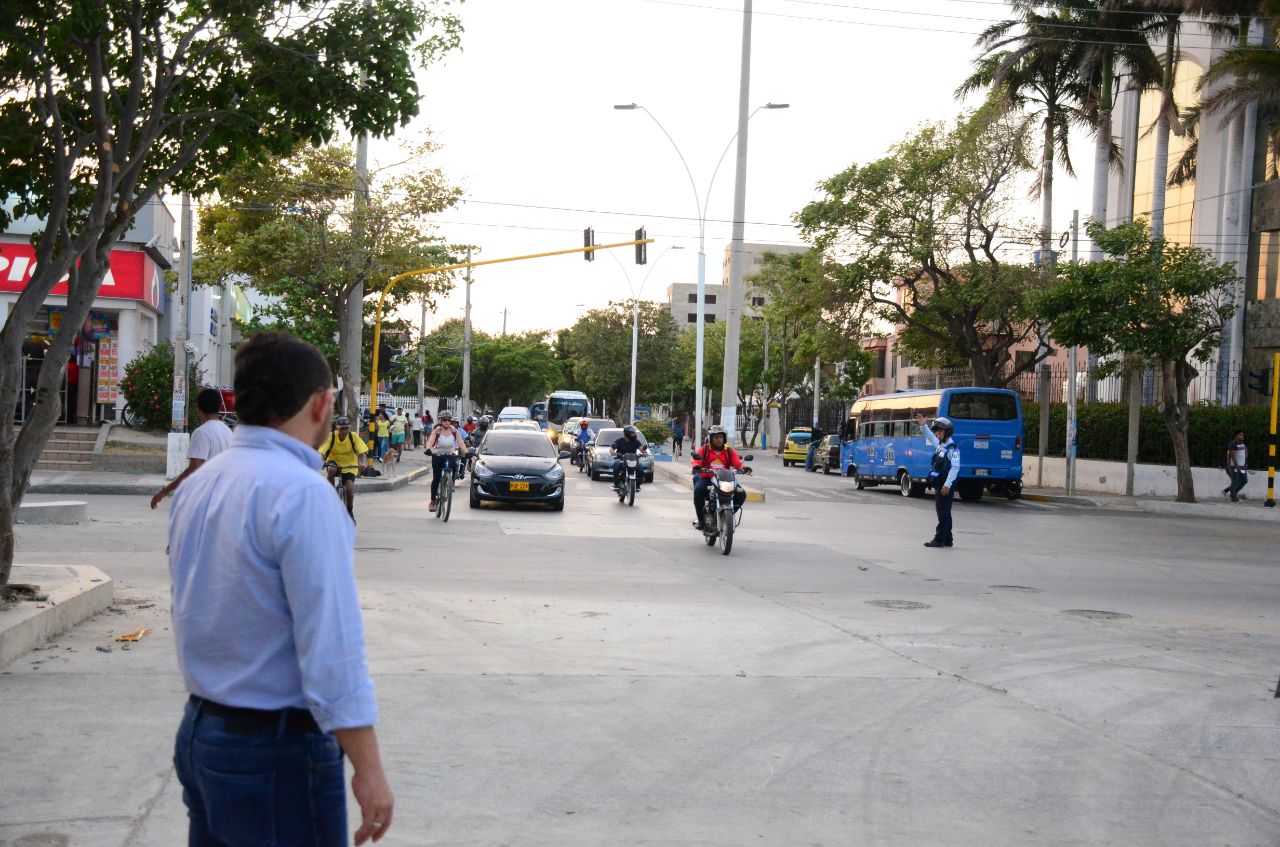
(1160, 166)
(1175, 411)
(350, 374)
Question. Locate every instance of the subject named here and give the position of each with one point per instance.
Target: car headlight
(482, 472)
(555, 473)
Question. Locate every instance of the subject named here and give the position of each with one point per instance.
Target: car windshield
(516, 443)
(606, 437)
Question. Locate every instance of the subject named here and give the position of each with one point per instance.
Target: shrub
(654, 431)
(148, 387)
(1103, 432)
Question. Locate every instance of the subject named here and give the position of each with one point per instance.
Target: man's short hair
(276, 374)
(209, 400)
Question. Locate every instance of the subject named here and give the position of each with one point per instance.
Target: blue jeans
(244, 788)
(1239, 478)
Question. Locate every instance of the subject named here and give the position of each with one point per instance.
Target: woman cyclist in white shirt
(444, 445)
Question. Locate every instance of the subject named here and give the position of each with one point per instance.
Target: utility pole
(764, 390)
(635, 346)
(355, 298)
(1072, 382)
(422, 356)
(504, 321)
(733, 312)
(466, 347)
(817, 389)
(178, 440)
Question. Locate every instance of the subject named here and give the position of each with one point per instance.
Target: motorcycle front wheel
(631, 491)
(726, 531)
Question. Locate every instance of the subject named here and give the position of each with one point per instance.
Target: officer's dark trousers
(942, 503)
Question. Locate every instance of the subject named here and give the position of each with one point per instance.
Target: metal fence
(1211, 385)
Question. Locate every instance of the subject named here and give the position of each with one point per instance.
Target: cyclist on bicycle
(629, 444)
(444, 445)
(344, 453)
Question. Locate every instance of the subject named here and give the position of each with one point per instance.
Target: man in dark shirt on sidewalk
(267, 624)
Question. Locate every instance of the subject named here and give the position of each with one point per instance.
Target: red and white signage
(132, 275)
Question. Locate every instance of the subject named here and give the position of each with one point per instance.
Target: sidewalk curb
(90, 486)
(684, 477)
(1063, 500)
(30, 624)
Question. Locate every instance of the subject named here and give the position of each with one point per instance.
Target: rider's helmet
(445, 415)
(471, 419)
(486, 421)
(344, 422)
(943, 425)
(717, 430)
(629, 431)
(583, 424)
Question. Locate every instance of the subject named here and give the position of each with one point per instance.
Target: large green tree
(596, 352)
(1153, 304)
(919, 238)
(519, 367)
(109, 102)
(290, 229)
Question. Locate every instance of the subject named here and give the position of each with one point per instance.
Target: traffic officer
(942, 474)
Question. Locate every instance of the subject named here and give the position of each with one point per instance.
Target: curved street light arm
(697, 200)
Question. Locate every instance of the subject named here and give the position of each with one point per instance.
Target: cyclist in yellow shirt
(344, 453)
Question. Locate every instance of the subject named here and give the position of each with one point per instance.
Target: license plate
(981, 472)
(518, 486)
(980, 445)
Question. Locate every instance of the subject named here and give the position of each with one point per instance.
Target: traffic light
(1260, 381)
(642, 250)
(589, 240)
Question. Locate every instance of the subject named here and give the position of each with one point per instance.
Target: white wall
(1108, 477)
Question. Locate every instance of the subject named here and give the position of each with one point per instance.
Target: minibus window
(982, 406)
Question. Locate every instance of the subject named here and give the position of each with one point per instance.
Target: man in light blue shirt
(267, 623)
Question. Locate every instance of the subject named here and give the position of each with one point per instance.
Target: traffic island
(53, 513)
(54, 599)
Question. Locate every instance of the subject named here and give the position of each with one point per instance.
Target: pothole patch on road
(1096, 614)
(899, 605)
(1027, 589)
(378, 550)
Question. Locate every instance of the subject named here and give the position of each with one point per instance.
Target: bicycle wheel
(128, 417)
(446, 502)
(726, 532)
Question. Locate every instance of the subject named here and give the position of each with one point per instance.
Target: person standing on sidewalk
(267, 624)
(1237, 467)
(210, 438)
(942, 475)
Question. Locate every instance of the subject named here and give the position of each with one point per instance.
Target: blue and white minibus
(882, 444)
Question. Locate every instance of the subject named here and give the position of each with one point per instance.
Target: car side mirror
(564, 454)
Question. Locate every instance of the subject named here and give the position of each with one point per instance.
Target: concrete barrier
(74, 593)
(53, 513)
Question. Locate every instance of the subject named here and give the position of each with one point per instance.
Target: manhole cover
(1096, 614)
(378, 549)
(898, 605)
(1026, 588)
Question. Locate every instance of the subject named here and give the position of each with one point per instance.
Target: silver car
(600, 463)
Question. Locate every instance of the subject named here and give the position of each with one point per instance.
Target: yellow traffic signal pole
(377, 328)
(1271, 446)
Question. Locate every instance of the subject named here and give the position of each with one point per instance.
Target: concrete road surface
(598, 677)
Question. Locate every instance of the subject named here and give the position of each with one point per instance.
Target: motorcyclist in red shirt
(716, 454)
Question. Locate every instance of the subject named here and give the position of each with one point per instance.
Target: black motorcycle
(719, 519)
(628, 480)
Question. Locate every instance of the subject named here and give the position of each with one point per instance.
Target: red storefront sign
(132, 276)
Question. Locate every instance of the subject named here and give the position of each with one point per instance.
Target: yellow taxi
(795, 449)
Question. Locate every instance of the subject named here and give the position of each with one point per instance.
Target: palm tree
(1033, 62)
(1117, 46)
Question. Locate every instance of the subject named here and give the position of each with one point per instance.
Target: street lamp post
(700, 203)
(635, 317)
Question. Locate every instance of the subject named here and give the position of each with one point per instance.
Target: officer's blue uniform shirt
(950, 450)
(265, 611)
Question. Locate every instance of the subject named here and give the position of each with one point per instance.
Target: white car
(513, 413)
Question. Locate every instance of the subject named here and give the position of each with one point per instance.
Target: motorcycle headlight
(726, 486)
(555, 473)
(482, 472)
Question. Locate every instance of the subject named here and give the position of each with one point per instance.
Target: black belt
(243, 721)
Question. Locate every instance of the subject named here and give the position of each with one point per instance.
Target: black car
(828, 456)
(516, 466)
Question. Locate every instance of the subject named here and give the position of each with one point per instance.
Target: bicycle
(444, 501)
(340, 486)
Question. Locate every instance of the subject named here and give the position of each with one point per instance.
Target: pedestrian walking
(677, 436)
(415, 428)
(942, 475)
(399, 430)
(267, 624)
(384, 433)
(1237, 467)
(210, 438)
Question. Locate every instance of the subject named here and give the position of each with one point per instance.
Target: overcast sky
(524, 114)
